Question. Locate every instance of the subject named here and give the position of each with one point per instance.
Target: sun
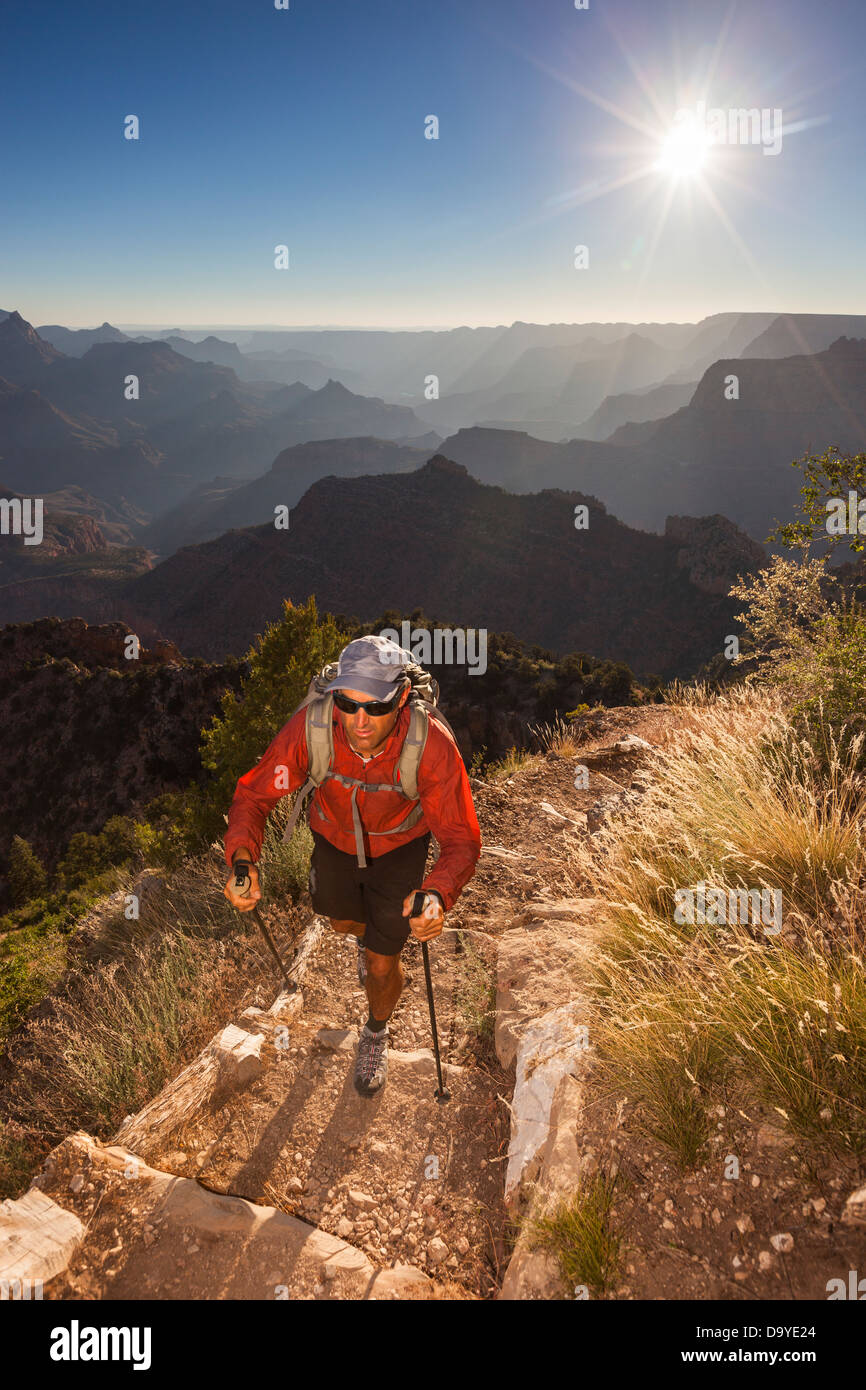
(684, 150)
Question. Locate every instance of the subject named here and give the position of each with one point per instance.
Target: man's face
(364, 732)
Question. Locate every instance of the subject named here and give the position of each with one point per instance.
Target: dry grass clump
(579, 1233)
(124, 1021)
(692, 1003)
(561, 736)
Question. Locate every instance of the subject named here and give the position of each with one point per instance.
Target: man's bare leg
(355, 928)
(385, 978)
(358, 929)
(385, 982)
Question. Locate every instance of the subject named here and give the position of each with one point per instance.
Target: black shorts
(340, 889)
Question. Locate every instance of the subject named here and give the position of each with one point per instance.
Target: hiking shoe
(362, 962)
(372, 1061)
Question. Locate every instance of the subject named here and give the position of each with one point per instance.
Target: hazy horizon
(215, 328)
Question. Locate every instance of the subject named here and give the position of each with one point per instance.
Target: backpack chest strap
(320, 756)
(356, 784)
(408, 821)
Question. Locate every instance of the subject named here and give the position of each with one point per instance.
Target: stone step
(37, 1238)
(151, 1235)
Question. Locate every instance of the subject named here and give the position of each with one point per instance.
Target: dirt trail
(400, 1175)
(392, 1182)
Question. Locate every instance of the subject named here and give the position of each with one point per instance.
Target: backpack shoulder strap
(413, 747)
(421, 712)
(319, 734)
(320, 737)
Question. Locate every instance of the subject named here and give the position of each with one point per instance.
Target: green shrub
(475, 996)
(87, 856)
(579, 1233)
(285, 868)
(832, 700)
(14, 997)
(281, 665)
(505, 767)
(32, 961)
(809, 643)
(26, 873)
(16, 1163)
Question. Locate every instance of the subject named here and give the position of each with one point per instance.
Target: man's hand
(426, 926)
(245, 897)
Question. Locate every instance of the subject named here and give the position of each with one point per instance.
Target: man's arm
(280, 772)
(446, 799)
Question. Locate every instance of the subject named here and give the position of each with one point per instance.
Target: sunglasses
(374, 708)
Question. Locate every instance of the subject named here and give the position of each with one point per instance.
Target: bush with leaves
(808, 640)
(829, 478)
(286, 656)
(26, 873)
(87, 856)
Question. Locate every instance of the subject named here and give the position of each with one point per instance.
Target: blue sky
(306, 127)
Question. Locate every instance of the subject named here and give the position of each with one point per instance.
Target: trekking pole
(241, 868)
(417, 908)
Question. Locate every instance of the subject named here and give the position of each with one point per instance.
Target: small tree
(829, 478)
(26, 875)
(810, 643)
(87, 856)
(287, 655)
(808, 636)
(784, 602)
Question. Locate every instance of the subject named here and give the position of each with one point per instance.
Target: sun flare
(684, 150)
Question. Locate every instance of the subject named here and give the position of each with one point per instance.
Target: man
(370, 722)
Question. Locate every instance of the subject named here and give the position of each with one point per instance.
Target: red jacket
(443, 786)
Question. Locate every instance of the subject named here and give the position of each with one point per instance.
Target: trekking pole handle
(424, 904)
(241, 869)
(238, 866)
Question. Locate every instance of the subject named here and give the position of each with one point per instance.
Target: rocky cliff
(474, 554)
(86, 734)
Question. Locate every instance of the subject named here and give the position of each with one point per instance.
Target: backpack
(319, 704)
